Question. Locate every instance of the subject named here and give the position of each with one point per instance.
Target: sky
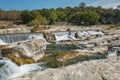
(39, 4)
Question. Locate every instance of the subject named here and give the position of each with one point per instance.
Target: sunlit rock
(25, 51)
(88, 70)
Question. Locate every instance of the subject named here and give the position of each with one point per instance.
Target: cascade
(2, 43)
(10, 70)
(11, 38)
(59, 36)
(88, 33)
(37, 36)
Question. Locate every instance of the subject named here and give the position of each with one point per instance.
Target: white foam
(11, 70)
(37, 36)
(2, 43)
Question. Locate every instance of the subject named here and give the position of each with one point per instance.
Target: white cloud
(106, 3)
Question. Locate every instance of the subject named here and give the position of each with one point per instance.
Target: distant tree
(26, 16)
(118, 7)
(53, 17)
(89, 17)
(61, 16)
(82, 5)
(75, 18)
(2, 14)
(45, 13)
(13, 15)
(38, 19)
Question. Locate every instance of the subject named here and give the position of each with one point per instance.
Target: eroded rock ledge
(25, 51)
(89, 70)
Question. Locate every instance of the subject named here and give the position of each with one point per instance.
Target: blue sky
(39, 4)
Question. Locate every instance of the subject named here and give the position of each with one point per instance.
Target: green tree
(82, 5)
(26, 16)
(75, 18)
(38, 19)
(61, 16)
(89, 18)
(118, 7)
(53, 17)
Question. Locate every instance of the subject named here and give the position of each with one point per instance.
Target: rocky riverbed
(88, 70)
(72, 54)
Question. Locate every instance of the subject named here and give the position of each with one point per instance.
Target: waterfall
(59, 36)
(37, 36)
(96, 33)
(71, 35)
(89, 33)
(2, 43)
(12, 38)
(10, 70)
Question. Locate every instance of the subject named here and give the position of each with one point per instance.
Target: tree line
(79, 15)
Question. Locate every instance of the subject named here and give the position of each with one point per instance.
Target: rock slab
(30, 49)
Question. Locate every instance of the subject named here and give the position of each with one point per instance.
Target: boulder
(25, 51)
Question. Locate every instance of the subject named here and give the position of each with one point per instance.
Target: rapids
(10, 70)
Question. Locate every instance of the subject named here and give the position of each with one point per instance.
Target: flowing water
(8, 69)
(12, 38)
(60, 36)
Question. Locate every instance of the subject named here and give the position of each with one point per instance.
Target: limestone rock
(88, 70)
(30, 50)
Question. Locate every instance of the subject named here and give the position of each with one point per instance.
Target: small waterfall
(37, 36)
(96, 33)
(2, 43)
(10, 70)
(71, 35)
(89, 33)
(12, 38)
(59, 36)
